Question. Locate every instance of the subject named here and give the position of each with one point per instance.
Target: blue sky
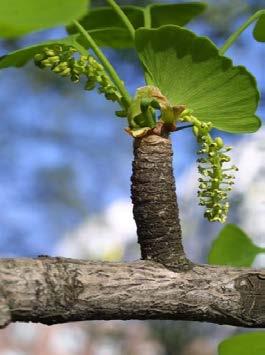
(54, 169)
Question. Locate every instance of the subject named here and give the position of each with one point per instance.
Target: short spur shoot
(187, 80)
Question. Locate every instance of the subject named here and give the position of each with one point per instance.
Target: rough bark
(163, 286)
(56, 290)
(154, 199)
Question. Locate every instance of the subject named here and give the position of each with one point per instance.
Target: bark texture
(56, 290)
(154, 199)
(165, 285)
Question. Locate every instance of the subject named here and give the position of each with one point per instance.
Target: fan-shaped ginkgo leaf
(188, 70)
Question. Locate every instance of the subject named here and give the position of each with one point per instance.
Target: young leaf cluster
(67, 62)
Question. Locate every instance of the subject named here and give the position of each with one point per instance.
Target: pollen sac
(215, 182)
(67, 62)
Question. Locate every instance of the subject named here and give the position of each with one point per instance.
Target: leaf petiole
(241, 29)
(123, 17)
(147, 17)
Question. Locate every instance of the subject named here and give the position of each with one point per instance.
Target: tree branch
(163, 286)
(57, 290)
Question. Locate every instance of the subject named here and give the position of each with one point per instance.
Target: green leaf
(259, 30)
(18, 17)
(105, 25)
(174, 14)
(243, 344)
(233, 247)
(22, 56)
(189, 70)
(106, 17)
(114, 37)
